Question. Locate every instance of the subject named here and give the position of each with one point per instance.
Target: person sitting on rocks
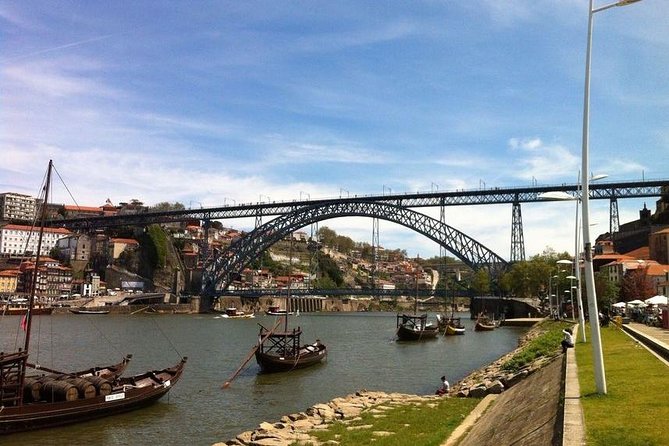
(445, 387)
(567, 340)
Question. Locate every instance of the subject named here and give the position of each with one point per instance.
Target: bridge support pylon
(517, 239)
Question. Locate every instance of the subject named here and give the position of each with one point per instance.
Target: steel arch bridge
(232, 261)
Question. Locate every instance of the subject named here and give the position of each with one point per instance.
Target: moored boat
(454, 327)
(415, 328)
(282, 352)
(483, 323)
(87, 311)
(56, 399)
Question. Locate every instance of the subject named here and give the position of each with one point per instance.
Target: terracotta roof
(657, 269)
(9, 273)
(612, 257)
(642, 253)
(36, 229)
(74, 208)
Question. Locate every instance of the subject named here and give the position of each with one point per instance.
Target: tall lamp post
(598, 359)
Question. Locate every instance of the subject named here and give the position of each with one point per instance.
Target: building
(8, 281)
(17, 207)
(53, 279)
(17, 240)
(75, 247)
(659, 246)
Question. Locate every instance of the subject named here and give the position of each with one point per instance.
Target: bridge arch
(237, 256)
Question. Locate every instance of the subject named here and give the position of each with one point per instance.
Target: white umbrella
(635, 302)
(620, 305)
(657, 300)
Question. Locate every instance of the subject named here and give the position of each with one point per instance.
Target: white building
(19, 207)
(15, 240)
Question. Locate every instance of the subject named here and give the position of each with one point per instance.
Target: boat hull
(308, 356)
(129, 394)
(483, 327)
(412, 334)
(453, 331)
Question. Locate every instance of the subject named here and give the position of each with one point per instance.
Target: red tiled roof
(642, 253)
(657, 269)
(9, 273)
(36, 229)
(74, 208)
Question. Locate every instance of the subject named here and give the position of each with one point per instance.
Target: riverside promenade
(522, 416)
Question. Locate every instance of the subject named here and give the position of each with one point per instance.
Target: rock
(477, 392)
(244, 437)
(496, 387)
(464, 393)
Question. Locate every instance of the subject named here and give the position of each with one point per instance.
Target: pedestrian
(567, 340)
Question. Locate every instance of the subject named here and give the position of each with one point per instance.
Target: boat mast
(33, 284)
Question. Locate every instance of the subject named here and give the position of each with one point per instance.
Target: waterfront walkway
(494, 427)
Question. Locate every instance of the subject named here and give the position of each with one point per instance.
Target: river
(362, 354)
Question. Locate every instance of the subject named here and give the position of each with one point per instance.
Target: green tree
(481, 282)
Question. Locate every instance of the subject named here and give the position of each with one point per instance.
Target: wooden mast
(33, 284)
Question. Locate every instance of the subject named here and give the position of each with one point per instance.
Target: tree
(167, 206)
(481, 282)
(636, 285)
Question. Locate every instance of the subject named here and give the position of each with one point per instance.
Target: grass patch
(634, 410)
(547, 343)
(425, 424)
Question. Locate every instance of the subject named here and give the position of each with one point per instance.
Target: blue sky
(220, 102)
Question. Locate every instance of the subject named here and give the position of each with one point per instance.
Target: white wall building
(15, 206)
(15, 240)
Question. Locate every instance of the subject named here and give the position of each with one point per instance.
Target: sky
(209, 103)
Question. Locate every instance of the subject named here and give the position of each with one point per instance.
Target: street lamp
(598, 359)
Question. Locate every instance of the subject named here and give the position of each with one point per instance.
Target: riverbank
(366, 411)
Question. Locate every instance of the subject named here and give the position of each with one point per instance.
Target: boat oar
(250, 355)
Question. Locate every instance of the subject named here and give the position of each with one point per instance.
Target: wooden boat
(282, 352)
(36, 402)
(106, 372)
(415, 328)
(87, 311)
(484, 324)
(277, 311)
(454, 327)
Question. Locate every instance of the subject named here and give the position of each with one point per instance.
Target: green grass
(635, 409)
(410, 425)
(546, 344)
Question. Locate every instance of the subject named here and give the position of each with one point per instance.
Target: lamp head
(626, 2)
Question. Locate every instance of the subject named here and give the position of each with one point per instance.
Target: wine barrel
(31, 389)
(86, 389)
(57, 390)
(102, 385)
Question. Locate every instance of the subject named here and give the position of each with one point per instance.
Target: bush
(546, 343)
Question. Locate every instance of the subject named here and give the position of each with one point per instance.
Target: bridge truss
(231, 262)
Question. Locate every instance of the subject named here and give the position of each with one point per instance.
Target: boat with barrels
(49, 398)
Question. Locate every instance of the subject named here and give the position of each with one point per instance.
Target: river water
(362, 354)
